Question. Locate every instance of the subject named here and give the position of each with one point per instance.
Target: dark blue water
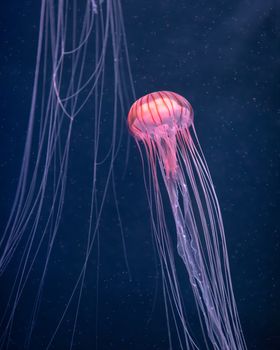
(223, 56)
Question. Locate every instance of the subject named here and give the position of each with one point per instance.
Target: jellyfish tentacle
(191, 254)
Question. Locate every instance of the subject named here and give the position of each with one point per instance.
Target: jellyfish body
(163, 123)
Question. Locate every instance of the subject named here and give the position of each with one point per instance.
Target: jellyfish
(82, 66)
(163, 124)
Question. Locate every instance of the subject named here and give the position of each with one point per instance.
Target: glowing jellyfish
(163, 122)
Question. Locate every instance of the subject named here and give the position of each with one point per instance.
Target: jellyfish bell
(163, 123)
(161, 116)
(159, 109)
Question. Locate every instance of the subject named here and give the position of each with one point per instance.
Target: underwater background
(224, 57)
